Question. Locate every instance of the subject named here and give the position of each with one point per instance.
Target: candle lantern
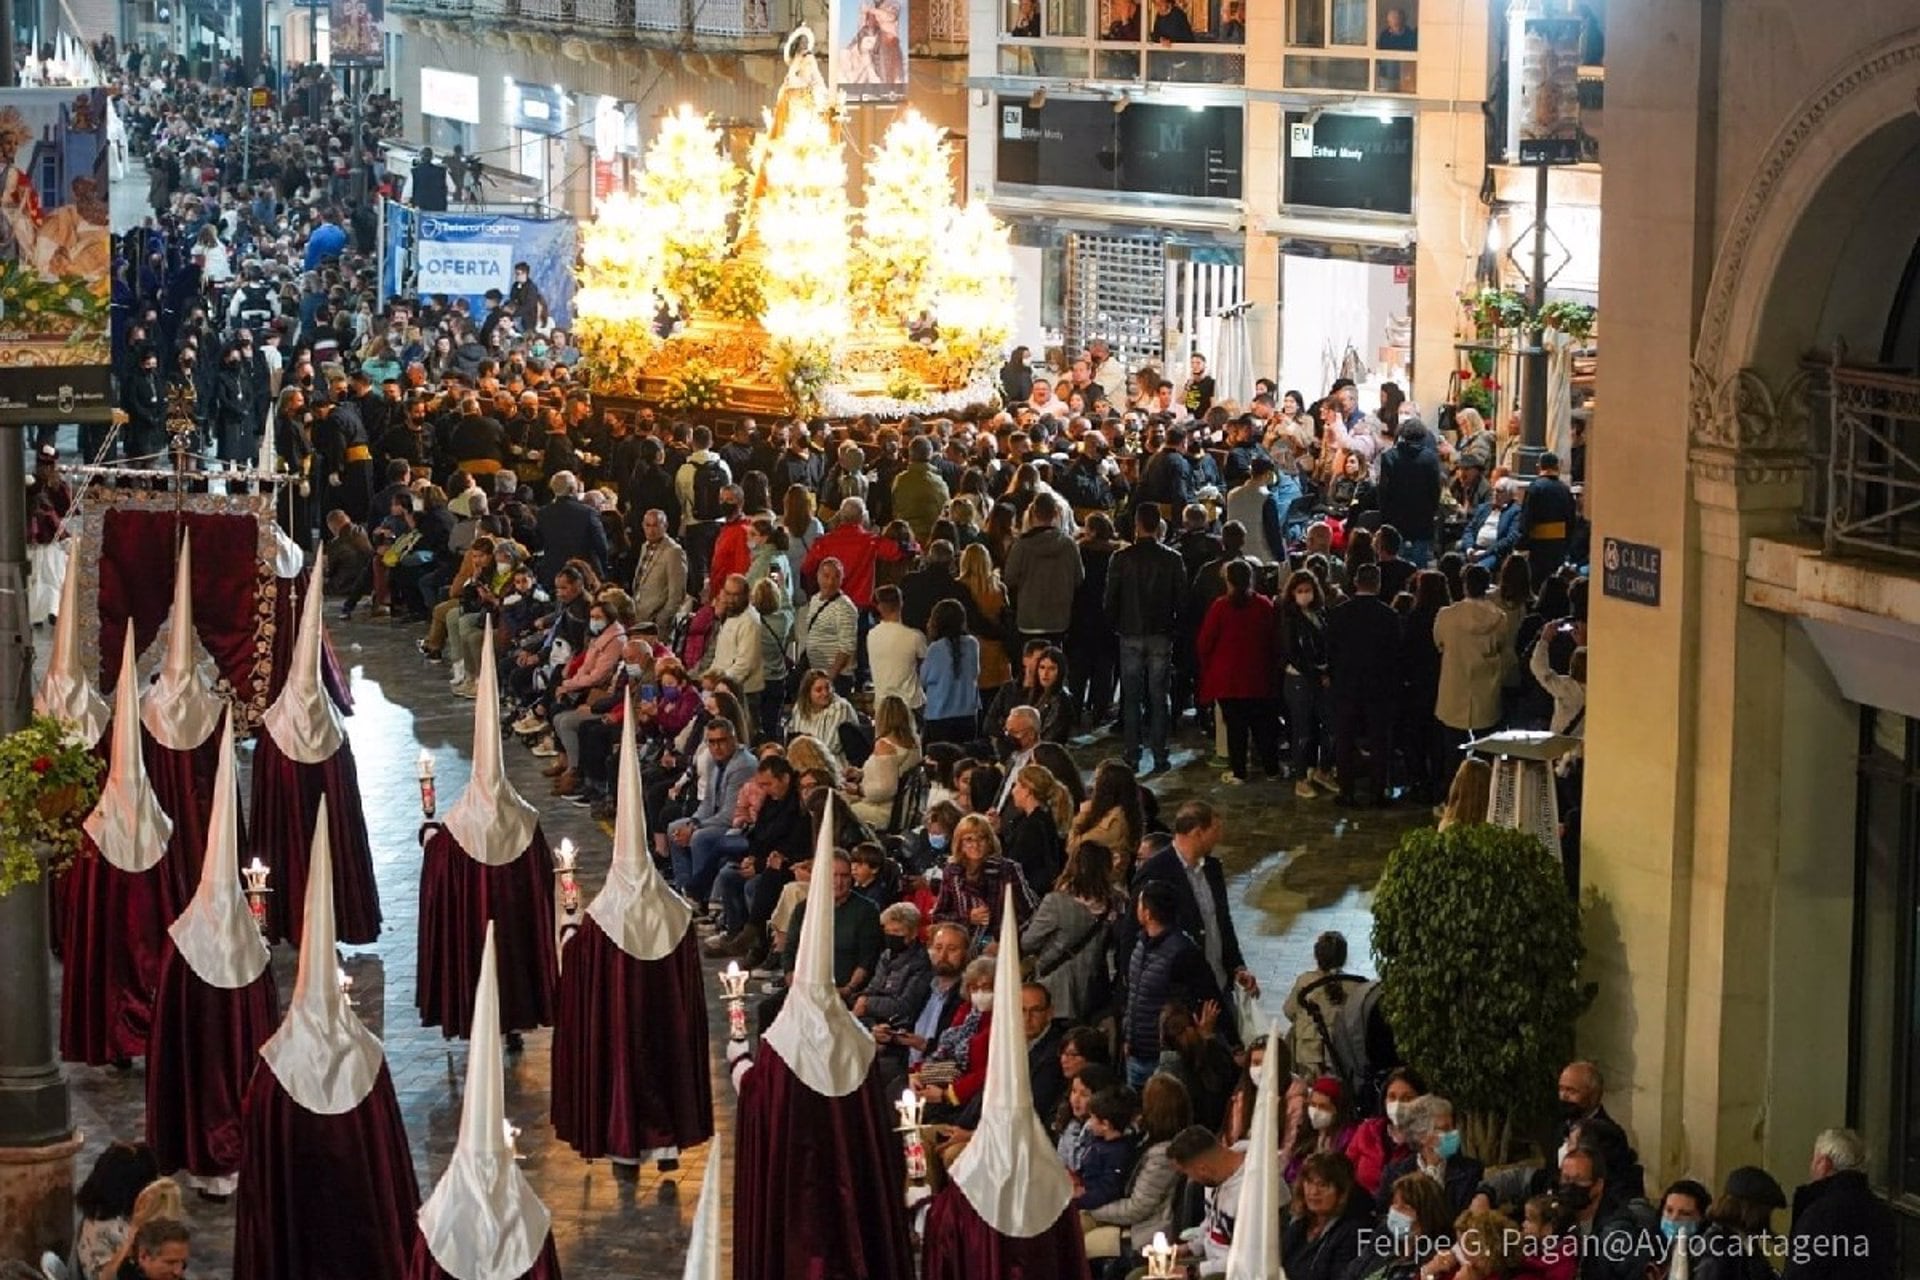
(1160, 1257)
(255, 874)
(512, 1134)
(428, 800)
(564, 860)
(733, 985)
(910, 1107)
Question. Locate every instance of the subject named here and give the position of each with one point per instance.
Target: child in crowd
(1108, 1158)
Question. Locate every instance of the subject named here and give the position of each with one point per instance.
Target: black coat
(145, 401)
(1329, 1256)
(1033, 841)
(1409, 488)
(1166, 866)
(1842, 1204)
(570, 530)
(1363, 646)
(1163, 968)
(1464, 1175)
(924, 588)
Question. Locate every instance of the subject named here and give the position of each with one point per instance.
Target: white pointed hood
(323, 1055)
(303, 721)
(128, 824)
(491, 821)
(216, 934)
(65, 692)
(1010, 1173)
(1255, 1254)
(703, 1250)
(636, 909)
(178, 708)
(816, 1035)
(484, 1222)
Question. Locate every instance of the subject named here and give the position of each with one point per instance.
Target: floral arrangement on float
(768, 275)
(48, 784)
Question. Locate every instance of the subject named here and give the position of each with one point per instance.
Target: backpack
(256, 304)
(709, 478)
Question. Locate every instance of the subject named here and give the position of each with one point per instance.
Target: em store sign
(1630, 571)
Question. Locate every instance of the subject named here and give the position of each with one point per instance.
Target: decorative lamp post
(428, 800)
(733, 985)
(255, 873)
(1160, 1258)
(910, 1107)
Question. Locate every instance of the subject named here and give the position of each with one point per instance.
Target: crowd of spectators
(926, 624)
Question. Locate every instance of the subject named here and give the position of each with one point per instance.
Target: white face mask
(1321, 1118)
(982, 1000)
(1396, 1113)
(1256, 1071)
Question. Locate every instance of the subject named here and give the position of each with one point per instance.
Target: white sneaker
(545, 747)
(1229, 778)
(529, 723)
(459, 675)
(466, 689)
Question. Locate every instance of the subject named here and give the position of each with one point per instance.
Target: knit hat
(1330, 1087)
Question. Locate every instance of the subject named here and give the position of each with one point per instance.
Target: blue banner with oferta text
(463, 255)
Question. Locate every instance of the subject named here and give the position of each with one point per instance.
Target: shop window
(1884, 1075)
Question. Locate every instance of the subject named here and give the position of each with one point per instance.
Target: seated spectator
(956, 1070)
(1418, 1227)
(1322, 1237)
(1110, 1152)
(1380, 1141)
(1146, 1207)
(1428, 1125)
(1192, 1052)
(105, 1201)
(1203, 1160)
(1074, 1138)
(1329, 1126)
(160, 1251)
(872, 787)
(973, 887)
(821, 714)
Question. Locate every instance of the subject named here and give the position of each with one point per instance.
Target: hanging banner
(55, 257)
(464, 255)
(353, 33)
(868, 61)
(1549, 114)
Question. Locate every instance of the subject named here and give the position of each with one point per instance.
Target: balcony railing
(1873, 464)
(714, 19)
(604, 15)
(546, 13)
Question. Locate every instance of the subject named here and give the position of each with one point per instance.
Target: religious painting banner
(868, 60)
(354, 37)
(55, 256)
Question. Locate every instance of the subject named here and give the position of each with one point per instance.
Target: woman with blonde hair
(807, 753)
(987, 602)
(158, 1199)
(1032, 825)
(974, 886)
(1470, 795)
(872, 787)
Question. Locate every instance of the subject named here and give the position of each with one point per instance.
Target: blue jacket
(1104, 1166)
(328, 240)
(952, 693)
(1505, 540)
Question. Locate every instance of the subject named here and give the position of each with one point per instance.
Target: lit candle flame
(426, 763)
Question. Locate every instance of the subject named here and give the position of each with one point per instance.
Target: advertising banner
(55, 257)
(1549, 114)
(463, 255)
(868, 62)
(353, 32)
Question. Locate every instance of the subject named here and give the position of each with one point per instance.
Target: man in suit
(660, 578)
(570, 529)
(1363, 641)
(1200, 890)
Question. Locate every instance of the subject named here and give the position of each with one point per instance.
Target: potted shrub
(48, 785)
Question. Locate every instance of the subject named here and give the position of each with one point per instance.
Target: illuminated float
(714, 288)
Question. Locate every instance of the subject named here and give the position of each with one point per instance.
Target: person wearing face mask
(903, 978)
(1486, 1246)
(956, 1070)
(1737, 1235)
(1416, 1228)
(1381, 1141)
(1328, 1128)
(1427, 1124)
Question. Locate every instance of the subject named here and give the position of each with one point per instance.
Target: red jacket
(856, 549)
(1371, 1151)
(730, 555)
(966, 1086)
(1237, 649)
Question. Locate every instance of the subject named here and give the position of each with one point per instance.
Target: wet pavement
(1296, 868)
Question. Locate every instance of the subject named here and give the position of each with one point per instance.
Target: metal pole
(1533, 409)
(6, 43)
(33, 1094)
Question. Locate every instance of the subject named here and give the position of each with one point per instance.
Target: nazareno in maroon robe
(960, 1245)
(202, 1053)
(111, 939)
(286, 799)
(324, 1197)
(630, 1070)
(458, 896)
(422, 1266)
(818, 1181)
(183, 784)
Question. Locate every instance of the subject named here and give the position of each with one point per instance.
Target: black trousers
(598, 739)
(1252, 718)
(1362, 723)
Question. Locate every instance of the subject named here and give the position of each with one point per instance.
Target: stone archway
(1813, 222)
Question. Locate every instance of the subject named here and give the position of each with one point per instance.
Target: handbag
(399, 548)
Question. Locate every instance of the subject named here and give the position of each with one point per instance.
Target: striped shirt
(832, 629)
